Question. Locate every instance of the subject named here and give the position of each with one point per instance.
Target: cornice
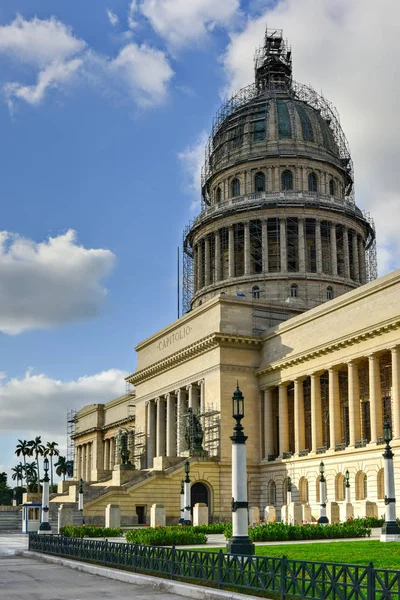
(79, 434)
(203, 345)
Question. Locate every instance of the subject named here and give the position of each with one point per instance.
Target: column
(375, 399)
(299, 426)
(333, 249)
(112, 453)
(318, 245)
(270, 183)
(277, 185)
(199, 265)
(171, 425)
(283, 249)
(334, 409)
(264, 233)
(361, 258)
(160, 449)
(231, 251)
(283, 420)
(151, 433)
(190, 391)
(247, 261)
(202, 400)
(268, 424)
(179, 422)
(346, 253)
(354, 403)
(316, 412)
(356, 265)
(195, 262)
(302, 247)
(396, 392)
(207, 261)
(78, 470)
(106, 455)
(83, 470)
(217, 256)
(88, 461)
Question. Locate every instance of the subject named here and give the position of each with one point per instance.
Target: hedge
(166, 536)
(80, 531)
(281, 531)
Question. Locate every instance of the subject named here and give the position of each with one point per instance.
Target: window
(312, 183)
(272, 493)
(329, 292)
(255, 292)
(340, 486)
(235, 187)
(259, 131)
(294, 290)
(259, 182)
(303, 489)
(361, 486)
(287, 180)
(218, 195)
(331, 187)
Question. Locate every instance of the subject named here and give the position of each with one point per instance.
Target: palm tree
(3, 477)
(51, 451)
(30, 474)
(24, 449)
(37, 449)
(62, 467)
(18, 473)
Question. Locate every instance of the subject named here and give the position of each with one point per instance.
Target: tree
(31, 474)
(37, 450)
(5, 491)
(18, 473)
(3, 477)
(24, 450)
(62, 467)
(51, 451)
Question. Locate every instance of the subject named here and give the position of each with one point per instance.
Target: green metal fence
(276, 577)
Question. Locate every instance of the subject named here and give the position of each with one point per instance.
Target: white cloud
(132, 11)
(112, 17)
(181, 22)
(350, 52)
(50, 283)
(192, 159)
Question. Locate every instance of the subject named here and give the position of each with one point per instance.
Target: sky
(105, 107)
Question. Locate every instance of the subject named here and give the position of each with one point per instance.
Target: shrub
(80, 531)
(212, 528)
(272, 532)
(166, 536)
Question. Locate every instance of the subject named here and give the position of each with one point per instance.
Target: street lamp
(45, 526)
(347, 478)
(240, 542)
(390, 529)
(80, 500)
(182, 503)
(186, 495)
(323, 519)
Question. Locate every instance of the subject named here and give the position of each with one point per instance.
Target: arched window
(218, 195)
(381, 484)
(235, 187)
(255, 292)
(294, 290)
(331, 187)
(272, 493)
(329, 292)
(303, 489)
(340, 484)
(312, 183)
(361, 486)
(259, 182)
(287, 180)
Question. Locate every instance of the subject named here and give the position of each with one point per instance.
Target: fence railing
(278, 577)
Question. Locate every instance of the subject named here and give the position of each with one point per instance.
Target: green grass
(382, 555)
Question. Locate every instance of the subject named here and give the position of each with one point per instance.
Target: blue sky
(104, 107)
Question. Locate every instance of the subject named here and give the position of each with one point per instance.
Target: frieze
(172, 338)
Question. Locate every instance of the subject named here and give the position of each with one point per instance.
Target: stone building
(280, 294)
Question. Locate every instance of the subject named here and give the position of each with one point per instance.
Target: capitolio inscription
(169, 340)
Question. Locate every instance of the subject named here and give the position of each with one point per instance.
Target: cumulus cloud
(192, 159)
(49, 283)
(350, 52)
(112, 17)
(181, 22)
(132, 11)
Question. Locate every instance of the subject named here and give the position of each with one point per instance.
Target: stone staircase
(11, 520)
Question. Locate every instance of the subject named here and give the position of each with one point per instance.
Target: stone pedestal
(270, 514)
(113, 515)
(306, 513)
(332, 512)
(295, 513)
(200, 514)
(285, 513)
(254, 515)
(122, 473)
(157, 515)
(65, 516)
(346, 511)
(368, 509)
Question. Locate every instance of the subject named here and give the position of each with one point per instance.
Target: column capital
(300, 379)
(284, 384)
(395, 350)
(189, 387)
(200, 382)
(178, 391)
(317, 374)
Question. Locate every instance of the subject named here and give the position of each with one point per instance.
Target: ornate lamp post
(347, 478)
(186, 495)
(182, 501)
(390, 529)
(45, 526)
(323, 519)
(80, 500)
(240, 542)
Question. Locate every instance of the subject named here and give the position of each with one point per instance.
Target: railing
(361, 443)
(279, 577)
(339, 447)
(321, 450)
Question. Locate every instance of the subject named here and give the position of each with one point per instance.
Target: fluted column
(316, 412)
(207, 261)
(199, 265)
(396, 391)
(106, 455)
(151, 433)
(268, 423)
(354, 403)
(112, 453)
(171, 425)
(318, 245)
(299, 426)
(231, 251)
(346, 253)
(264, 233)
(217, 256)
(83, 468)
(88, 461)
(375, 397)
(282, 239)
(334, 409)
(180, 424)
(190, 392)
(78, 462)
(283, 420)
(247, 261)
(160, 451)
(333, 250)
(302, 247)
(356, 265)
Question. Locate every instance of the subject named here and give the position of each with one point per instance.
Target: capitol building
(280, 293)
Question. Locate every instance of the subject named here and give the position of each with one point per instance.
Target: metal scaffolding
(71, 425)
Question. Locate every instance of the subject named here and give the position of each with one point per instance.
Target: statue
(194, 433)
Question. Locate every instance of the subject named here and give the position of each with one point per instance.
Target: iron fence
(280, 578)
